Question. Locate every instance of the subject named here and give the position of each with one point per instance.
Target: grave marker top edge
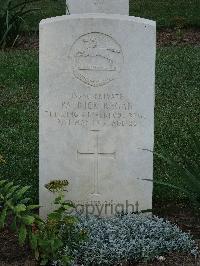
(99, 16)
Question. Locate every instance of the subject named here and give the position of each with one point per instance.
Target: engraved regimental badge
(96, 58)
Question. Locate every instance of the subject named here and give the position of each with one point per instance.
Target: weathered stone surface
(97, 76)
(98, 6)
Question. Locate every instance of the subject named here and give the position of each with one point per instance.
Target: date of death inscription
(94, 110)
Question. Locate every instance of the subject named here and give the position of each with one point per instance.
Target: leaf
(28, 220)
(7, 19)
(2, 182)
(39, 219)
(14, 225)
(2, 198)
(37, 255)
(54, 216)
(22, 234)
(67, 206)
(167, 185)
(7, 186)
(44, 262)
(2, 159)
(25, 200)
(10, 205)
(44, 243)
(20, 208)
(66, 260)
(70, 220)
(11, 191)
(188, 172)
(3, 217)
(32, 207)
(58, 200)
(33, 241)
(56, 244)
(22, 191)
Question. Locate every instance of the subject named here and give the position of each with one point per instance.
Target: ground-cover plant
(12, 17)
(44, 236)
(129, 238)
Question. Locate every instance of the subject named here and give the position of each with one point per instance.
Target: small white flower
(160, 258)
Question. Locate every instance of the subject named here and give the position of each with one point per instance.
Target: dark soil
(13, 255)
(28, 42)
(166, 37)
(170, 37)
(173, 259)
(181, 214)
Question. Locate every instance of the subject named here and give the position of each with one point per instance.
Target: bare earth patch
(169, 37)
(10, 252)
(165, 37)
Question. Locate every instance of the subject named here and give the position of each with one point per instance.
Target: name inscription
(95, 110)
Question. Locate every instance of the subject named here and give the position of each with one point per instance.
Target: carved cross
(96, 155)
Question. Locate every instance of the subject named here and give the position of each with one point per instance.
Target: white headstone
(97, 75)
(98, 6)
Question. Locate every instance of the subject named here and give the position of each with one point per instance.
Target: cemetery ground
(177, 112)
(176, 118)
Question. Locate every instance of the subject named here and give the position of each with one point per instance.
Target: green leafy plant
(14, 204)
(46, 239)
(43, 235)
(12, 15)
(54, 238)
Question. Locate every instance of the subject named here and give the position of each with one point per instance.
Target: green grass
(164, 12)
(19, 118)
(177, 111)
(46, 9)
(177, 106)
